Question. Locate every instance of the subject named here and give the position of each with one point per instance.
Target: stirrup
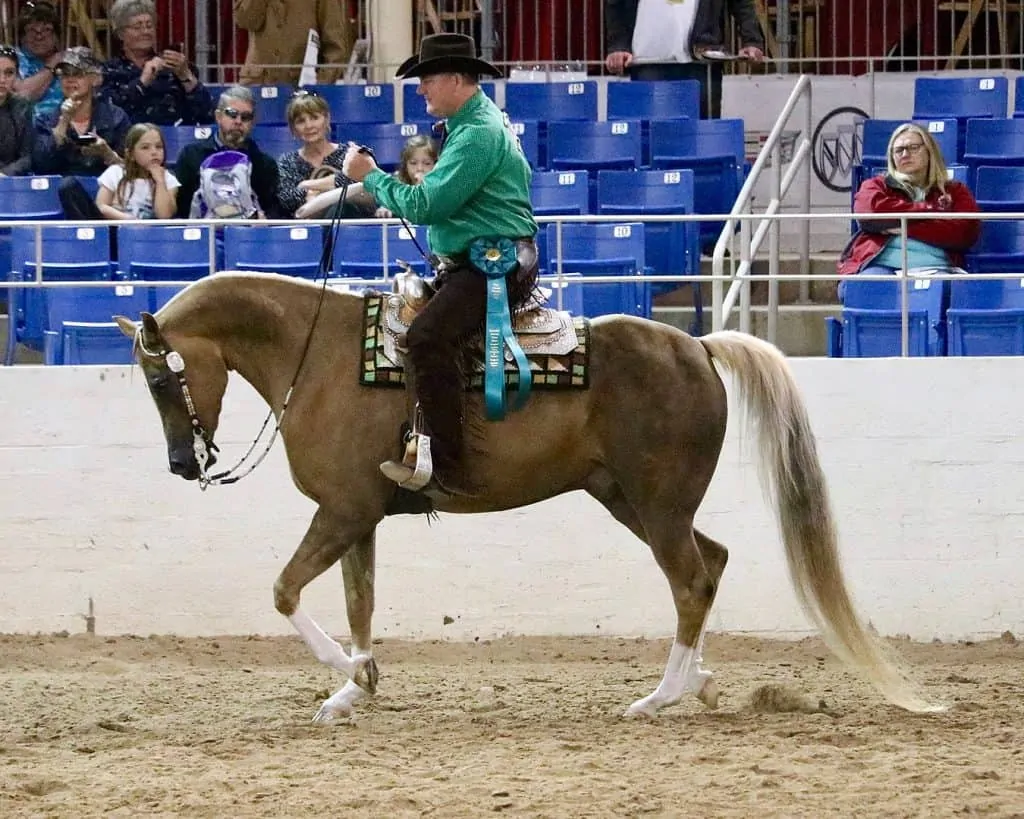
(416, 468)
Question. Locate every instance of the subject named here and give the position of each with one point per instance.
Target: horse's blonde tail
(792, 479)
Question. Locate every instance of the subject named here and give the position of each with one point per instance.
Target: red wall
(872, 17)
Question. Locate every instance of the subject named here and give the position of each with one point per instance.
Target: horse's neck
(260, 328)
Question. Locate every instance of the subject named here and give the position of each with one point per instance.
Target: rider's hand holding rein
(357, 163)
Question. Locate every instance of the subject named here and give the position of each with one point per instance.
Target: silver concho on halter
(175, 363)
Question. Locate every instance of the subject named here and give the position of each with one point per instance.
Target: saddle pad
(553, 365)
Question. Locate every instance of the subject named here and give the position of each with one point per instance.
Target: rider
(479, 190)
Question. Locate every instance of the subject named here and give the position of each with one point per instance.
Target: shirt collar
(468, 109)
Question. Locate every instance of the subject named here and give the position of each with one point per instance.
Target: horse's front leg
(324, 543)
(357, 571)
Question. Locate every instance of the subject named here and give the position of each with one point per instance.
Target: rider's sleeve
(471, 154)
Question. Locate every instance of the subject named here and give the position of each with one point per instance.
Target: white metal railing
(771, 156)
(560, 274)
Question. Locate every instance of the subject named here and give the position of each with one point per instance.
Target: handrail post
(745, 260)
(904, 292)
(805, 225)
(774, 246)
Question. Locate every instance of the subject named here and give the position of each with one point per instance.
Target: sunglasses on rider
(234, 113)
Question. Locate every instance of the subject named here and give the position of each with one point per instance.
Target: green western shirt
(480, 186)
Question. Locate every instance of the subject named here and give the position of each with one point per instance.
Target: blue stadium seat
(1000, 190)
(678, 99)
(872, 322)
(961, 98)
(714, 150)
(68, 254)
(163, 253)
(1000, 248)
(548, 101)
(177, 137)
(26, 199)
(994, 142)
(275, 140)
(291, 251)
(414, 106)
(1018, 97)
(387, 139)
(359, 103)
(558, 193)
(78, 327)
(592, 146)
(671, 248)
(29, 198)
(544, 102)
(605, 249)
(80, 342)
(359, 252)
(986, 317)
(528, 132)
(272, 103)
(877, 132)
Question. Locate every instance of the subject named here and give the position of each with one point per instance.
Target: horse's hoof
(366, 674)
(708, 693)
(327, 714)
(641, 709)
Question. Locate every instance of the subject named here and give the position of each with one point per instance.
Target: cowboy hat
(446, 54)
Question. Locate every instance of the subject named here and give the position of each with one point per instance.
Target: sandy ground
(163, 726)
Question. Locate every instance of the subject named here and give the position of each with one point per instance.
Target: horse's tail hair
(793, 481)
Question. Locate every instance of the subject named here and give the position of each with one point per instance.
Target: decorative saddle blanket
(556, 345)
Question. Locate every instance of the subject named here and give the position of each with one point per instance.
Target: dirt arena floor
(162, 726)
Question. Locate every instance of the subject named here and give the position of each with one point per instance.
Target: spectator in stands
(84, 136)
(158, 87)
(278, 32)
(670, 40)
(142, 188)
(234, 115)
(309, 119)
(17, 136)
(38, 27)
(418, 158)
(915, 182)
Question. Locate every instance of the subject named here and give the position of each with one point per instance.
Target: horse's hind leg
(694, 570)
(357, 565)
(693, 564)
(324, 543)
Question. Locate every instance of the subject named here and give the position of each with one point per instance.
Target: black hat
(446, 54)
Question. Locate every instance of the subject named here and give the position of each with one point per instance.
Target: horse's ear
(151, 337)
(126, 326)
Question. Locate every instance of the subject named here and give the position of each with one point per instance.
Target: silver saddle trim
(539, 330)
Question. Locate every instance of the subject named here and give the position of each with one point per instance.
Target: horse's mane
(242, 302)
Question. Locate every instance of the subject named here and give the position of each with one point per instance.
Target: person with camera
(82, 137)
(155, 86)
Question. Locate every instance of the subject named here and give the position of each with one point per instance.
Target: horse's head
(187, 382)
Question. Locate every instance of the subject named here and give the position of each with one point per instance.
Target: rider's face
(439, 92)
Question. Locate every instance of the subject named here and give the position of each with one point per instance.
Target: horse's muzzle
(182, 461)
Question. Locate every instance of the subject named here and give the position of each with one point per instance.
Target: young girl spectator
(419, 155)
(309, 119)
(143, 188)
(915, 182)
(17, 135)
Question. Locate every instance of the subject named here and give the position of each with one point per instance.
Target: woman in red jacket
(916, 182)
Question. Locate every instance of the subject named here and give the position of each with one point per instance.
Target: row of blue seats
(375, 103)
(547, 145)
(159, 253)
(960, 317)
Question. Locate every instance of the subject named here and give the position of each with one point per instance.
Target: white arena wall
(924, 457)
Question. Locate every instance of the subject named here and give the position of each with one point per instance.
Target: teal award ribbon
(496, 258)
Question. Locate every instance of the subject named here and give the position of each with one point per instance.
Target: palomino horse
(643, 439)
